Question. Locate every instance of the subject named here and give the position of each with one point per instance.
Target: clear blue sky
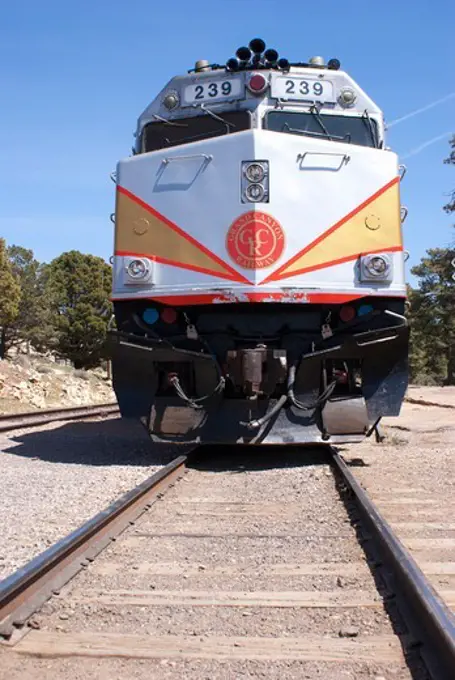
(75, 76)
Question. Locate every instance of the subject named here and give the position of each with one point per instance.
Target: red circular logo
(255, 240)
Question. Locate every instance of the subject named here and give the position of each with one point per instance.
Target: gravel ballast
(254, 512)
(57, 476)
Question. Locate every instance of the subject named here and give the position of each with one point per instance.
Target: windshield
(347, 129)
(161, 135)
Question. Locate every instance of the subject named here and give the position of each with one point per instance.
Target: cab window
(162, 135)
(348, 129)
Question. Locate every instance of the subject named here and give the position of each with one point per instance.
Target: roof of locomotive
(333, 84)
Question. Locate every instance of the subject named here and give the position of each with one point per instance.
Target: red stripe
(173, 263)
(296, 297)
(331, 263)
(235, 275)
(276, 275)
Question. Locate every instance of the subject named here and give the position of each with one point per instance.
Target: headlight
(137, 269)
(255, 181)
(255, 193)
(254, 172)
(376, 267)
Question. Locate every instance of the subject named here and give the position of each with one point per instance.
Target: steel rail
(16, 421)
(22, 593)
(429, 620)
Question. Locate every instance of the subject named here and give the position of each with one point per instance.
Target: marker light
(150, 316)
(257, 83)
(168, 315)
(254, 172)
(171, 100)
(347, 96)
(364, 310)
(137, 269)
(255, 193)
(283, 64)
(347, 313)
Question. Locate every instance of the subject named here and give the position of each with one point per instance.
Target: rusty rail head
(431, 623)
(22, 593)
(10, 421)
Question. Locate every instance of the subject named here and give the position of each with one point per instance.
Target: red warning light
(347, 313)
(257, 83)
(169, 315)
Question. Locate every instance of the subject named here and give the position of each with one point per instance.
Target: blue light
(364, 309)
(151, 316)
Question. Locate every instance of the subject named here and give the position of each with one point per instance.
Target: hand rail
(345, 158)
(207, 158)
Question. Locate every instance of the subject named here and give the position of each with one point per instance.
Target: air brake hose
(256, 424)
(323, 397)
(195, 403)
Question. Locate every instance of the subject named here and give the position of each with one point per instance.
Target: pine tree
(10, 297)
(450, 207)
(33, 322)
(80, 286)
(433, 315)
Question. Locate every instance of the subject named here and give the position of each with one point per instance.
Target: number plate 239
(210, 91)
(302, 88)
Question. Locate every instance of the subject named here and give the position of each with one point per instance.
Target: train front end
(258, 273)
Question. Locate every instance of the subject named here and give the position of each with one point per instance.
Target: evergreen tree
(33, 322)
(10, 297)
(450, 207)
(80, 286)
(432, 312)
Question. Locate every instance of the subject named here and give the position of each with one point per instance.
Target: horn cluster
(256, 56)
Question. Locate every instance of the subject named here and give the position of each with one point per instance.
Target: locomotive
(258, 272)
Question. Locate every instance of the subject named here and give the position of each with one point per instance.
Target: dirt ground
(411, 479)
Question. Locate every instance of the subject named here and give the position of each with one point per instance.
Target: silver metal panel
(345, 416)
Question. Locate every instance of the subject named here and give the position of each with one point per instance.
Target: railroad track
(15, 421)
(214, 573)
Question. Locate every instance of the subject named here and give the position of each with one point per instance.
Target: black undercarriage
(260, 372)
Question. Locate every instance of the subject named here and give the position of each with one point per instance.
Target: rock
(348, 632)
(34, 623)
(340, 582)
(63, 616)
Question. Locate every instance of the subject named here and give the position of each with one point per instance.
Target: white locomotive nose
(258, 270)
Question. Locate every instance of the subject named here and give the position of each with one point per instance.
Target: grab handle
(207, 158)
(301, 157)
